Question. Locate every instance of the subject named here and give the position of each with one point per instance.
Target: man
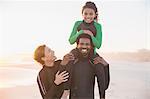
(82, 70)
(49, 79)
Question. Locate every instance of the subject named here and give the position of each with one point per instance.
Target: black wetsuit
(45, 80)
(97, 68)
(82, 79)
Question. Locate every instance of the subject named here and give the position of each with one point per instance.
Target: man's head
(44, 55)
(84, 44)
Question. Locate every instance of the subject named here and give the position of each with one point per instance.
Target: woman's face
(88, 15)
(49, 55)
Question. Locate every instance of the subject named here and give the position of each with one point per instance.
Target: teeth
(84, 50)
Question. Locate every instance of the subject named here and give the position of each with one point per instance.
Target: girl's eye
(91, 13)
(85, 13)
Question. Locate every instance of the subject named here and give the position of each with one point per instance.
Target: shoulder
(57, 62)
(97, 24)
(43, 71)
(78, 22)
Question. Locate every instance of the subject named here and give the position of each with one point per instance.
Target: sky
(26, 24)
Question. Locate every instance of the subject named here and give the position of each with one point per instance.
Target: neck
(50, 64)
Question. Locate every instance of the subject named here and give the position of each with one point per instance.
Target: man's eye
(81, 43)
(87, 44)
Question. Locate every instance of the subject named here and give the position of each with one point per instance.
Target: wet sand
(128, 81)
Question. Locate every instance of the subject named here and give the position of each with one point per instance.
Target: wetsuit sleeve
(75, 33)
(67, 68)
(47, 90)
(97, 41)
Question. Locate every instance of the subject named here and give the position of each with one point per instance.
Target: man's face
(84, 46)
(49, 56)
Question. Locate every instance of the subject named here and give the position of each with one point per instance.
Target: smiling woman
(13, 76)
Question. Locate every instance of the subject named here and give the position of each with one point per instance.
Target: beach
(128, 80)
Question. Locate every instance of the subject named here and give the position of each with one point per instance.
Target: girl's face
(49, 56)
(88, 15)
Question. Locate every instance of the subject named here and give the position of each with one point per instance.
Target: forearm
(65, 94)
(74, 37)
(96, 43)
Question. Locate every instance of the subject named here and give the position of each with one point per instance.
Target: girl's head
(44, 55)
(89, 12)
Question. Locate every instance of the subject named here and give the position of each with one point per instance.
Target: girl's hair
(91, 5)
(39, 53)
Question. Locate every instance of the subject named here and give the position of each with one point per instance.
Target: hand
(62, 77)
(88, 32)
(99, 60)
(67, 58)
(65, 94)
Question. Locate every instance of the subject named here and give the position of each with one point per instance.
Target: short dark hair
(84, 36)
(39, 53)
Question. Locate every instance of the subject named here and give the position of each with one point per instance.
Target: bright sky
(25, 24)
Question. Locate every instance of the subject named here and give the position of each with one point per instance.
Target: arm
(49, 89)
(97, 41)
(75, 33)
(65, 94)
(44, 85)
(65, 65)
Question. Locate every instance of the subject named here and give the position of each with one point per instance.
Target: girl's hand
(88, 32)
(61, 77)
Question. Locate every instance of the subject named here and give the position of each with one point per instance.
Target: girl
(89, 26)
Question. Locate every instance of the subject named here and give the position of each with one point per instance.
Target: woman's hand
(61, 77)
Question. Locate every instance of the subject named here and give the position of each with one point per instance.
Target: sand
(128, 81)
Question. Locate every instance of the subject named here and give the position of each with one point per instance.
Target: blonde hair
(39, 53)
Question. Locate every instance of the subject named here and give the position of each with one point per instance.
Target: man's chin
(84, 54)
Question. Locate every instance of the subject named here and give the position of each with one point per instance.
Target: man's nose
(84, 46)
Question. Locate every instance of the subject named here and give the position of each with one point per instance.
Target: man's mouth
(84, 50)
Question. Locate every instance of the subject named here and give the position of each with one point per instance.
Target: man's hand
(88, 32)
(67, 58)
(99, 60)
(62, 77)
